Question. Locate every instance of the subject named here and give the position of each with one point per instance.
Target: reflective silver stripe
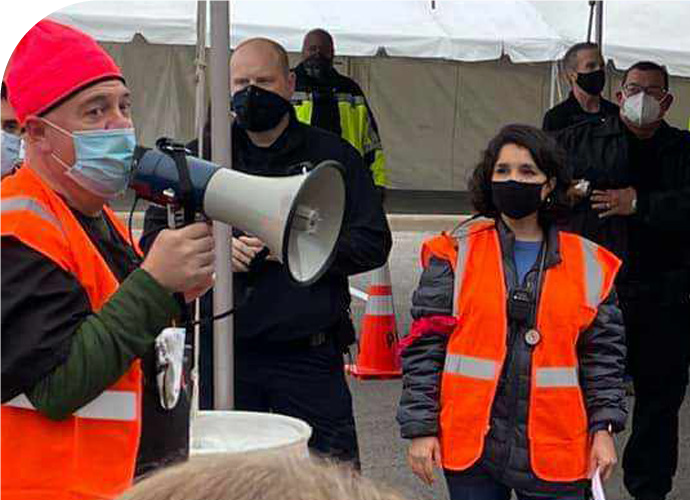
(380, 305)
(460, 266)
(354, 100)
(594, 274)
(557, 377)
(461, 234)
(299, 96)
(18, 204)
(110, 405)
(468, 366)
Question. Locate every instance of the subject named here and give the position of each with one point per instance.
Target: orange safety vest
(91, 454)
(572, 291)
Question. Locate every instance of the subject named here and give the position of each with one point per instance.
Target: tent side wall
(435, 116)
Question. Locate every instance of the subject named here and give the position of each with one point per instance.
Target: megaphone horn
(298, 217)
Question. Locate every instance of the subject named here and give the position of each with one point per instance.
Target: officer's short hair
(647, 66)
(570, 58)
(277, 48)
(248, 476)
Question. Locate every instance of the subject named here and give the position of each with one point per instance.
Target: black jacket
(506, 457)
(277, 310)
(654, 243)
(569, 112)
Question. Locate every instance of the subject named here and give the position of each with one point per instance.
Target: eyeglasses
(655, 91)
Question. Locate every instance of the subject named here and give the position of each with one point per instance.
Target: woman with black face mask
(513, 368)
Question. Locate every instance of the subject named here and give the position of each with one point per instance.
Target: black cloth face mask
(257, 109)
(516, 199)
(318, 67)
(592, 83)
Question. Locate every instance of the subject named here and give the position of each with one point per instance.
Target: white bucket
(241, 432)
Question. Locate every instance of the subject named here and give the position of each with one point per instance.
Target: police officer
(331, 101)
(289, 340)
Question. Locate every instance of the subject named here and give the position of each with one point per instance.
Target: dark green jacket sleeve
(105, 344)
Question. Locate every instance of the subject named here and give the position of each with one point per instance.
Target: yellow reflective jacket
(357, 124)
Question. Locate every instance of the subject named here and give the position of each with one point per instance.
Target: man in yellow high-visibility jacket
(326, 99)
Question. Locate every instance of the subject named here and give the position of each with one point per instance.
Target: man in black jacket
(639, 167)
(584, 69)
(326, 99)
(289, 339)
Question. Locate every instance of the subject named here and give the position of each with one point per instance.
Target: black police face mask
(516, 199)
(318, 67)
(257, 109)
(592, 83)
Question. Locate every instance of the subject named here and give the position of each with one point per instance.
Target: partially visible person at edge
(80, 309)
(259, 475)
(639, 167)
(513, 368)
(326, 99)
(585, 71)
(11, 140)
(289, 340)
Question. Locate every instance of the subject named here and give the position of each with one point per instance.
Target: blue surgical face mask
(11, 152)
(103, 160)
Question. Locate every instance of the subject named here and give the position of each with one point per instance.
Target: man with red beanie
(80, 310)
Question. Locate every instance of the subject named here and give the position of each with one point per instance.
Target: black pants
(487, 488)
(658, 358)
(305, 382)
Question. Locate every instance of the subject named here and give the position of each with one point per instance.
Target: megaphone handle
(258, 259)
(179, 154)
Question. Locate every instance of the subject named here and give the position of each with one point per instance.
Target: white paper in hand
(597, 486)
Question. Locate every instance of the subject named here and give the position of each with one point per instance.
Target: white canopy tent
(441, 80)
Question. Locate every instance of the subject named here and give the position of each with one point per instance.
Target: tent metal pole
(600, 24)
(199, 120)
(554, 77)
(223, 355)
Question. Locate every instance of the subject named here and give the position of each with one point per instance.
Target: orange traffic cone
(377, 355)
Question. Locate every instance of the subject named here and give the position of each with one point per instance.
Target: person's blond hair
(257, 476)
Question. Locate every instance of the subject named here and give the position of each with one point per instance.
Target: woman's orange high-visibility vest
(571, 294)
(91, 454)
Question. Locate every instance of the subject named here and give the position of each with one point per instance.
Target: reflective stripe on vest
(461, 235)
(109, 405)
(594, 274)
(471, 367)
(557, 377)
(19, 203)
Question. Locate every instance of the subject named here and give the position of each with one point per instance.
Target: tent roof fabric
(474, 30)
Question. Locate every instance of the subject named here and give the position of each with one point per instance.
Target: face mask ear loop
(62, 131)
(58, 128)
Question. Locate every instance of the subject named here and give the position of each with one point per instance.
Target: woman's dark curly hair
(547, 155)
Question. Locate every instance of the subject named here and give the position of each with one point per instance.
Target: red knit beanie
(52, 62)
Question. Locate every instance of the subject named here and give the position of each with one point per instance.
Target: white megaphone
(298, 217)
